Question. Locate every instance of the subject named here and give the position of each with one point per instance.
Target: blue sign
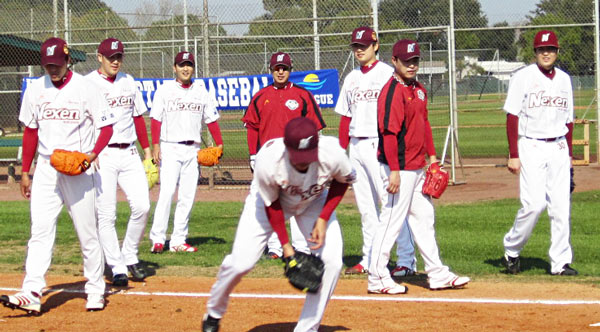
(235, 92)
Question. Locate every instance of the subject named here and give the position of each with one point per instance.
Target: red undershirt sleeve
(215, 132)
(30, 142)
(344, 134)
(252, 135)
(569, 137)
(103, 139)
(390, 148)
(334, 197)
(277, 221)
(155, 131)
(512, 132)
(141, 131)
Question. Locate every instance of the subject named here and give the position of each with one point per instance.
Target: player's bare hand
(514, 165)
(156, 153)
(25, 185)
(317, 236)
(394, 182)
(288, 250)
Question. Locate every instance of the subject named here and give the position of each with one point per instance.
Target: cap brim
(408, 58)
(360, 43)
(54, 61)
(182, 62)
(113, 53)
(303, 156)
(281, 64)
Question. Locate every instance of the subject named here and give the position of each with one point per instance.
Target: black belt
(186, 142)
(547, 139)
(119, 145)
(361, 138)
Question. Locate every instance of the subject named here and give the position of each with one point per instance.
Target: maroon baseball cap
(363, 36)
(282, 59)
(301, 139)
(54, 51)
(110, 46)
(545, 38)
(184, 56)
(406, 49)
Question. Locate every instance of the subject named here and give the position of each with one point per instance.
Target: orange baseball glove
(436, 181)
(69, 162)
(209, 156)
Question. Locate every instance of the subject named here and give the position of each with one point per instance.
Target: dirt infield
(482, 306)
(168, 303)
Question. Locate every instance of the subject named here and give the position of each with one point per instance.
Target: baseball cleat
(120, 280)
(210, 324)
(137, 272)
(183, 248)
(356, 269)
(394, 290)
(402, 271)
(513, 264)
(95, 302)
(566, 270)
(27, 301)
(455, 282)
(272, 255)
(158, 248)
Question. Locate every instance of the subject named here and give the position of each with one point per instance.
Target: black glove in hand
(304, 271)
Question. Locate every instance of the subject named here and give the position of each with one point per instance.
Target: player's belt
(186, 142)
(552, 139)
(119, 145)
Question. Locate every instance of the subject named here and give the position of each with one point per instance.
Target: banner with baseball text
(235, 92)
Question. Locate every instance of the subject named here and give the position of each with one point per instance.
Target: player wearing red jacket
(269, 111)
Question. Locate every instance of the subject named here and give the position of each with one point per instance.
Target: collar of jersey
(548, 73)
(286, 86)
(366, 69)
(110, 79)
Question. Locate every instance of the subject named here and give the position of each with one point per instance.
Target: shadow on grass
(527, 263)
(281, 327)
(197, 241)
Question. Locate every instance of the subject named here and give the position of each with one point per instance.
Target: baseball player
(60, 111)
(290, 179)
(539, 126)
(178, 110)
(404, 138)
(357, 106)
(269, 111)
(120, 164)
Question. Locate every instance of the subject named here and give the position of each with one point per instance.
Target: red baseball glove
(69, 162)
(436, 181)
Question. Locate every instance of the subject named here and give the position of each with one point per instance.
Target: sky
(512, 11)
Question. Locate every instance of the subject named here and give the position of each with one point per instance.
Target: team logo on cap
(186, 56)
(545, 37)
(292, 104)
(114, 45)
(304, 143)
(50, 50)
(410, 48)
(359, 34)
(280, 57)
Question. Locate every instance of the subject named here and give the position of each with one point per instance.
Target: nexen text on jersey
(177, 105)
(356, 95)
(120, 101)
(59, 114)
(539, 99)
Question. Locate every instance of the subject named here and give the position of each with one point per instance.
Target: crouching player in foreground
(291, 176)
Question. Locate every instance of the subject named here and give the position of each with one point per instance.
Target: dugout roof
(19, 51)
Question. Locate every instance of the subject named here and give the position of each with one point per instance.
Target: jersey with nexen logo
(66, 118)
(182, 111)
(544, 106)
(271, 108)
(358, 98)
(125, 101)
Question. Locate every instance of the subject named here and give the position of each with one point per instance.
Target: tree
(501, 40)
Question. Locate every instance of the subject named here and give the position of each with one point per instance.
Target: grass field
(469, 237)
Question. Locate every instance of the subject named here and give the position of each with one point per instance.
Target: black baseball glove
(304, 271)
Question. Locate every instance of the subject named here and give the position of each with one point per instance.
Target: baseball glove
(69, 162)
(304, 271)
(209, 156)
(572, 180)
(151, 172)
(436, 181)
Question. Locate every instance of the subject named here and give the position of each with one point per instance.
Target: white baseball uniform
(181, 112)
(544, 107)
(358, 100)
(66, 119)
(301, 195)
(120, 164)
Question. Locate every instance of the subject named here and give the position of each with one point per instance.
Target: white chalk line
(383, 298)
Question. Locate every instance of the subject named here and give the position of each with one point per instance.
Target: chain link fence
(236, 38)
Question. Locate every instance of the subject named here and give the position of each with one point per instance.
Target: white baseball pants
(250, 239)
(49, 191)
(122, 167)
(179, 166)
(544, 182)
